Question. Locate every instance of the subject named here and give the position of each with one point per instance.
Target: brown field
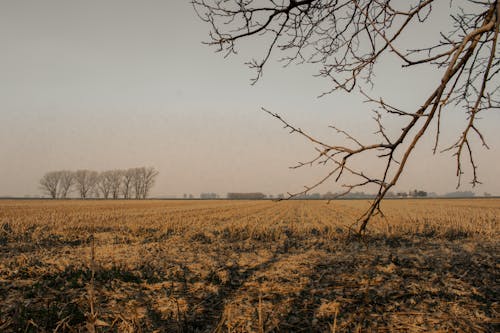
(248, 266)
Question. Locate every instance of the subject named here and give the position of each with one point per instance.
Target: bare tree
(135, 181)
(143, 180)
(85, 182)
(138, 182)
(116, 178)
(104, 183)
(49, 183)
(95, 192)
(149, 178)
(347, 39)
(66, 182)
(127, 183)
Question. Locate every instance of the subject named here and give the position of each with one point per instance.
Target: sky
(119, 83)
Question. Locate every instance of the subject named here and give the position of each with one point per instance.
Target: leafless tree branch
(347, 38)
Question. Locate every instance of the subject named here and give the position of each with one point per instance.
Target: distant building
(460, 194)
(359, 195)
(246, 196)
(418, 194)
(209, 196)
(329, 195)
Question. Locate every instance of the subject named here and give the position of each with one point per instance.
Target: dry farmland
(248, 266)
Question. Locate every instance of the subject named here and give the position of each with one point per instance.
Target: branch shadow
(441, 287)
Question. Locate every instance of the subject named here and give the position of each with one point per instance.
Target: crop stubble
(248, 266)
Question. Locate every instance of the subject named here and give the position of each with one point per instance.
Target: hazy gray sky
(121, 83)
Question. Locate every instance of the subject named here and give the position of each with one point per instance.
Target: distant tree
(49, 183)
(127, 183)
(104, 183)
(329, 195)
(108, 184)
(314, 196)
(138, 182)
(85, 182)
(149, 179)
(421, 194)
(347, 40)
(143, 180)
(95, 193)
(66, 182)
(418, 193)
(390, 194)
(116, 179)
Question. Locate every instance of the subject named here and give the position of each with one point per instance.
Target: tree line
(110, 184)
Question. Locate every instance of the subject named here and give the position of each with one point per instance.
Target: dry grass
(248, 266)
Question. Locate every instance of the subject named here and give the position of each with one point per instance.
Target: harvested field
(248, 266)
